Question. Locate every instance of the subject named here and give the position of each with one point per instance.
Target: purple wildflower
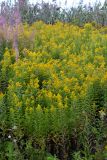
(10, 20)
(2, 21)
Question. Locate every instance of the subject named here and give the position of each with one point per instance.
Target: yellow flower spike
(98, 50)
(73, 96)
(18, 84)
(104, 78)
(39, 108)
(59, 98)
(82, 93)
(27, 102)
(19, 104)
(49, 94)
(27, 109)
(52, 109)
(1, 94)
(65, 106)
(60, 105)
(11, 110)
(106, 147)
(66, 89)
(30, 109)
(82, 76)
(18, 74)
(36, 85)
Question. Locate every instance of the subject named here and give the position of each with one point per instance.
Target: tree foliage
(51, 12)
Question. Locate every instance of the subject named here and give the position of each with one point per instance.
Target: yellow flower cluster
(64, 62)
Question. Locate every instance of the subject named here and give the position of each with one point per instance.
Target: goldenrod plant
(53, 99)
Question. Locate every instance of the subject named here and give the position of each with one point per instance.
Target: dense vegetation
(53, 97)
(53, 82)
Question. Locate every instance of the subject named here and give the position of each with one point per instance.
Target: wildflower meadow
(53, 91)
